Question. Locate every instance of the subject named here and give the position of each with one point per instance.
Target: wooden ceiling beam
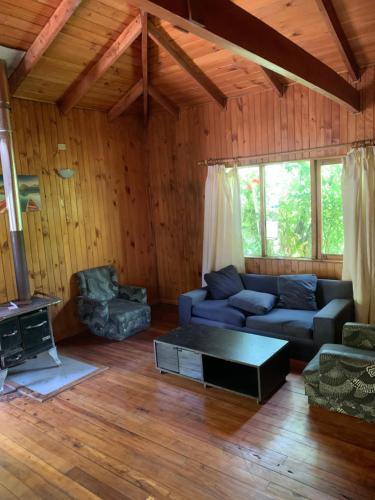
(145, 65)
(88, 78)
(334, 25)
(226, 25)
(164, 101)
(273, 80)
(41, 43)
(161, 38)
(126, 100)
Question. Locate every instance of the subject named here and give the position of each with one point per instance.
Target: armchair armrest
(346, 373)
(187, 300)
(133, 293)
(89, 308)
(359, 335)
(329, 321)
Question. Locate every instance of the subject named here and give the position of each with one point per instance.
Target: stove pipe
(11, 191)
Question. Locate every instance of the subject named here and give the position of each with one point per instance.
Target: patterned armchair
(341, 378)
(109, 309)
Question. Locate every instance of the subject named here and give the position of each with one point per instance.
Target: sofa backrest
(261, 283)
(327, 290)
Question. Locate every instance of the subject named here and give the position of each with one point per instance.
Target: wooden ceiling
(95, 24)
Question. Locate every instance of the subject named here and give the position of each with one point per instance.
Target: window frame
(316, 210)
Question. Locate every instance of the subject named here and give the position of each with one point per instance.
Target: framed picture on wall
(29, 190)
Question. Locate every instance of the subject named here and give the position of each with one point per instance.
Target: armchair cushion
(133, 293)
(329, 321)
(359, 335)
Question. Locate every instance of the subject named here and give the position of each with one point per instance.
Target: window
(292, 209)
(331, 215)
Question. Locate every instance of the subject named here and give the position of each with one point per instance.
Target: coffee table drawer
(166, 357)
(190, 364)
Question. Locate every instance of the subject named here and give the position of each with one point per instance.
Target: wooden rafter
(254, 40)
(79, 88)
(160, 36)
(334, 25)
(145, 65)
(127, 100)
(164, 101)
(273, 80)
(41, 43)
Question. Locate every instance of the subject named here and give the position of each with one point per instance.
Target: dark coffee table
(241, 362)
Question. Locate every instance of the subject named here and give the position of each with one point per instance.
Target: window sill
(333, 260)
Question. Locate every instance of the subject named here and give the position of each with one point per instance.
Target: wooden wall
(99, 216)
(254, 124)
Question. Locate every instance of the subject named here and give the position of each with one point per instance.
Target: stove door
(36, 333)
(10, 334)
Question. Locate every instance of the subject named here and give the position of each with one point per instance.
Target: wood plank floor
(131, 433)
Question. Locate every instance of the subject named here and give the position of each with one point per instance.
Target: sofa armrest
(329, 321)
(133, 293)
(346, 372)
(88, 308)
(359, 335)
(186, 301)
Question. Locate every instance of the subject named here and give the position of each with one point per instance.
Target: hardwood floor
(133, 433)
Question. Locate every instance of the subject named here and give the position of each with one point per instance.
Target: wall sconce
(66, 173)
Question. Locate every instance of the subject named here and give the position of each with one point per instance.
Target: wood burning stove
(25, 326)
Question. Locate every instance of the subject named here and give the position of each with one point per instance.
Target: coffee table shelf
(245, 363)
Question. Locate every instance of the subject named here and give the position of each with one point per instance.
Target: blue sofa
(306, 330)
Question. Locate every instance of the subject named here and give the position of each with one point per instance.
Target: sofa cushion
(297, 291)
(219, 310)
(261, 283)
(288, 322)
(253, 302)
(223, 283)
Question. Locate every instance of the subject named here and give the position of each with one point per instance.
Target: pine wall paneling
(253, 124)
(99, 216)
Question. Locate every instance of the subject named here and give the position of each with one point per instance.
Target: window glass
(332, 213)
(288, 209)
(250, 210)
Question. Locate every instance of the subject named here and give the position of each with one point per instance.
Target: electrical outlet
(61, 147)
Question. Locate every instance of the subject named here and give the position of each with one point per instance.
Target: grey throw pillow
(253, 302)
(297, 291)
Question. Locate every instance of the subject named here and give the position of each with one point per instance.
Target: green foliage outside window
(332, 214)
(250, 211)
(288, 209)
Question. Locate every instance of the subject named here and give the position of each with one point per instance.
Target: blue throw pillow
(223, 283)
(253, 302)
(297, 291)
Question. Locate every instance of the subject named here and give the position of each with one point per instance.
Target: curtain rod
(235, 159)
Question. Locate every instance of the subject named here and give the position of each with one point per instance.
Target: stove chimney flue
(11, 191)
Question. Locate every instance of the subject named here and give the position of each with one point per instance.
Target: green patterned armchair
(341, 378)
(109, 309)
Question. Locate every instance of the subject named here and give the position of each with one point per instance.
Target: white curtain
(222, 238)
(358, 183)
